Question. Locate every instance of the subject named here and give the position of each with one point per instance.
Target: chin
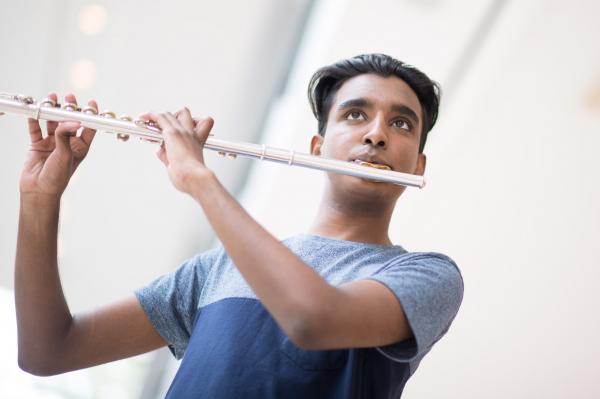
(368, 189)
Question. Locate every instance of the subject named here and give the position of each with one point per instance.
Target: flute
(125, 126)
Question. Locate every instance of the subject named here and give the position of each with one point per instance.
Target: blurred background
(513, 166)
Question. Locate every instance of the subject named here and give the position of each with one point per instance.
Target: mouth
(372, 164)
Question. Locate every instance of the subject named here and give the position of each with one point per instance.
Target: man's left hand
(183, 144)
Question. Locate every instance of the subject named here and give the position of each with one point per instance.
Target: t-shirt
(233, 348)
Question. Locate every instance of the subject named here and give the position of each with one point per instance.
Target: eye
(402, 124)
(354, 116)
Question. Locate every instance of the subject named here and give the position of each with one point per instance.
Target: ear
(315, 144)
(421, 163)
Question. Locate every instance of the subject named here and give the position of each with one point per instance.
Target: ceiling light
(82, 74)
(92, 19)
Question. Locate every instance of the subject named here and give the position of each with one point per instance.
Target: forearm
(43, 317)
(290, 290)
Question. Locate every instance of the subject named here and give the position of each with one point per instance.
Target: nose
(376, 135)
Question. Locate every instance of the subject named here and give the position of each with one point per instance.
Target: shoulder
(424, 270)
(431, 260)
(204, 261)
(425, 260)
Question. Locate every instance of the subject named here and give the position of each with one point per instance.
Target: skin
(357, 314)
(355, 209)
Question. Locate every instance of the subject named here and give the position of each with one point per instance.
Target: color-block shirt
(233, 348)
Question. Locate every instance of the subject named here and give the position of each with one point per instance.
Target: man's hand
(183, 143)
(53, 159)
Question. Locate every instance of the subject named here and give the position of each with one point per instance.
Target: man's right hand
(51, 340)
(53, 159)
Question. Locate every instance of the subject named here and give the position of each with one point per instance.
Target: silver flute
(125, 126)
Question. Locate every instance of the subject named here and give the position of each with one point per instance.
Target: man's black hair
(325, 83)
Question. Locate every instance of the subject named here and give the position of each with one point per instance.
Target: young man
(339, 312)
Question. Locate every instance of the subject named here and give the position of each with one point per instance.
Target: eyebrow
(364, 103)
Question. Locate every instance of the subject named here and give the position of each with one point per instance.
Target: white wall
(513, 195)
(122, 222)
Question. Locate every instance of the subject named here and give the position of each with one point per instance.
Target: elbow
(36, 367)
(305, 333)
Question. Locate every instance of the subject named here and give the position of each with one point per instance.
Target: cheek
(407, 158)
(335, 145)
(330, 151)
(410, 162)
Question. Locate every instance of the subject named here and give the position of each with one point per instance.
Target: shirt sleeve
(429, 287)
(171, 301)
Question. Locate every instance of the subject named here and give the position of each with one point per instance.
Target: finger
(51, 125)
(197, 121)
(162, 122)
(185, 118)
(145, 116)
(174, 121)
(157, 118)
(63, 134)
(70, 98)
(169, 126)
(35, 132)
(162, 155)
(204, 127)
(87, 135)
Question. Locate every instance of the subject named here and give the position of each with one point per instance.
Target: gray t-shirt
(207, 296)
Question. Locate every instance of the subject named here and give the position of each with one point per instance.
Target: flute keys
(145, 123)
(48, 102)
(70, 107)
(123, 136)
(140, 122)
(150, 124)
(108, 114)
(227, 154)
(90, 110)
(28, 100)
(24, 99)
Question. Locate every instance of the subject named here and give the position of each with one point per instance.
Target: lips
(372, 164)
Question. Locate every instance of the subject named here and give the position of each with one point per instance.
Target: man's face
(376, 120)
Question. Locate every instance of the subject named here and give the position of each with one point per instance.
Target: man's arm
(313, 313)
(51, 341)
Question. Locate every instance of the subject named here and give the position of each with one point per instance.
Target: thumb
(162, 155)
(203, 128)
(63, 134)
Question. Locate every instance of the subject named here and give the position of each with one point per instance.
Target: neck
(360, 219)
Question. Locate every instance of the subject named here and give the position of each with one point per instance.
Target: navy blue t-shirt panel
(237, 350)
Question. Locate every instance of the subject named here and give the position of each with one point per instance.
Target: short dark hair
(325, 83)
